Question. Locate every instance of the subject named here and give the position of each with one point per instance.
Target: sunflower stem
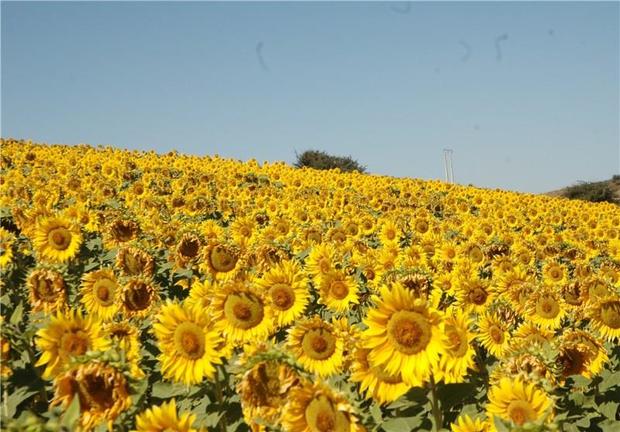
(220, 400)
(435, 404)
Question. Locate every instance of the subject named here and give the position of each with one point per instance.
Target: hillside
(607, 190)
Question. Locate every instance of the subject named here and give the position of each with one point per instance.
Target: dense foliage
(320, 160)
(592, 191)
(171, 292)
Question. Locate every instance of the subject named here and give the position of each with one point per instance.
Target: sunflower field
(171, 292)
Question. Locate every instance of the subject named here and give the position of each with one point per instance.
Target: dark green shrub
(590, 191)
(320, 160)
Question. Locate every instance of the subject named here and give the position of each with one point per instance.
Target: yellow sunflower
(315, 407)
(220, 259)
(188, 343)
(133, 261)
(103, 392)
(338, 291)
(47, 291)
(317, 346)
(545, 308)
(518, 402)
(201, 294)
(493, 335)
(57, 239)
(604, 316)
(321, 260)
(473, 293)
(164, 418)
(465, 423)
(374, 381)
(286, 291)
(67, 334)
(403, 334)
(241, 312)
(457, 348)
(99, 293)
(6, 247)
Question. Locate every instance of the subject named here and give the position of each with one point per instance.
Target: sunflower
(317, 346)
(201, 294)
(315, 407)
(47, 291)
(474, 293)
(403, 334)
(241, 312)
(321, 260)
(338, 291)
(6, 247)
(67, 335)
(187, 250)
(493, 335)
(165, 418)
(133, 261)
(465, 423)
(103, 392)
(545, 308)
(518, 402)
(137, 297)
(127, 337)
(188, 343)
(374, 381)
(57, 239)
(528, 363)
(529, 334)
(99, 292)
(220, 259)
(604, 316)
(121, 231)
(581, 354)
(457, 348)
(263, 390)
(286, 292)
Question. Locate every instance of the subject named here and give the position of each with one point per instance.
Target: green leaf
(402, 424)
(375, 412)
(609, 409)
(453, 394)
(609, 382)
(17, 315)
(500, 425)
(15, 398)
(164, 390)
(72, 414)
(580, 380)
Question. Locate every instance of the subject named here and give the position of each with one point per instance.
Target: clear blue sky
(391, 84)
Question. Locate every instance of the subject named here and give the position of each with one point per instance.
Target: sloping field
(172, 292)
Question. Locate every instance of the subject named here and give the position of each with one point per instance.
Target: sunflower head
(99, 293)
(133, 261)
(165, 417)
(137, 297)
(518, 402)
(57, 239)
(604, 315)
(47, 291)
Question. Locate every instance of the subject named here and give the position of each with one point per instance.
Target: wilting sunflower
(338, 291)
(187, 250)
(57, 239)
(99, 292)
(285, 289)
(315, 407)
(137, 297)
(317, 346)
(67, 334)
(457, 348)
(518, 402)
(403, 335)
(545, 308)
(374, 381)
(188, 343)
(465, 423)
(165, 418)
(103, 392)
(126, 336)
(263, 390)
(493, 335)
(133, 261)
(604, 314)
(47, 291)
(241, 312)
(581, 353)
(220, 259)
